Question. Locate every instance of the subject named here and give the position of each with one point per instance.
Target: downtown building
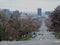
(39, 11)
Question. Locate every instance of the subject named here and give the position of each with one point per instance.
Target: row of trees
(14, 28)
(54, 20)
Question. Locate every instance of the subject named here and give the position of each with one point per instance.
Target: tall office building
(39, 11)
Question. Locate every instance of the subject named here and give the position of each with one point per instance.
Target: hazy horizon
(29, 5)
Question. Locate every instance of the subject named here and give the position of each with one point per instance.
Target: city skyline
(29, 5)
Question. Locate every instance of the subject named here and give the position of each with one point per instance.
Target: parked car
(33, 36)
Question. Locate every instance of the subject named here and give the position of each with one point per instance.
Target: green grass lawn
(57, 35)
(26, 38)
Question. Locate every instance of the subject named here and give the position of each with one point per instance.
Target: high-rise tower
(39, 11)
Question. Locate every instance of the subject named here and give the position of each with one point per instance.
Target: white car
(33, 36)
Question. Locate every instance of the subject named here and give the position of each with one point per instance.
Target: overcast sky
(29, 5)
